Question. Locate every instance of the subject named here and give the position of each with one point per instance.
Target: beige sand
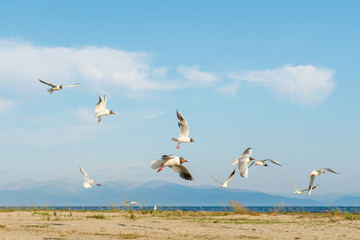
(36, 224)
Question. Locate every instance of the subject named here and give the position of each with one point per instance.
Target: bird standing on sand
(224, 185)
(184, 130)
(88, 182)
(298, 191)
(101, 109)
(262, 163)
(315, 173)
(57, 87)
(242, 162)
(173, 162)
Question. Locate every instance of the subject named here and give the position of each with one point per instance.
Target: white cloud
(196, 76)
(229, 89)
(21, 64)
(302, 84)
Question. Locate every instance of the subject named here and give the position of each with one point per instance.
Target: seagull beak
(186, 161)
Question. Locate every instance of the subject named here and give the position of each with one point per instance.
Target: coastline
(117, 224)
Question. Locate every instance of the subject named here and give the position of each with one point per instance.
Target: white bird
(101, 109)
(242, 162)
(316, 173)
(88, 182)
(184, 130)
(224, 185)
(298, 191)
(154, 209)
(173, 162)
(262, 163)
(134, 202)
(57, 87)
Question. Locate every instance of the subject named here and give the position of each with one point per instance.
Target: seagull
(316, 173)
(224, 185)
(154, 209)
(173, 162)
(134, 202)
(184, 130)
(298, 191)
(88, 182)
(57, 87)
(101, 109)
(242, 162)
(262, 163)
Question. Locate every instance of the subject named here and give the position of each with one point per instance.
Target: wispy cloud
(229, 89)
(21, 63)
(302, 84)
(196, 76)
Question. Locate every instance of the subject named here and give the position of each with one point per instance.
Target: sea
(310, 209)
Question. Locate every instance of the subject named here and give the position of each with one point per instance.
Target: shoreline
(77, 224)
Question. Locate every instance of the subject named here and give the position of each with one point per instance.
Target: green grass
(98, 216)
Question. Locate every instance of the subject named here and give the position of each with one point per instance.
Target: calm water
(354, 209)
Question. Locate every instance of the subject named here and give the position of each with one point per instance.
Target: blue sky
(279, 76)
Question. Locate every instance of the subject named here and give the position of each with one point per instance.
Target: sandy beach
(61, 224)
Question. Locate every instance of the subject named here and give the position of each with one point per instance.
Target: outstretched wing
(273, 161)
(230, 177)
(251, 164)
(330, 170)
(243, 168)
(47, 83)
(87, 179)
(101, 105)
(294, 185)
(183, 172)
(216, 180)
(73, 85)
(312, 178)
(184, 127)
(247, 153)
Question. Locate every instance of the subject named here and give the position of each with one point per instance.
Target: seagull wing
(247, 153)
(184, 127)
(168, 157)
(330, 170)
(243, 168)
(47, 83)
(73, 85)
(101, 105)
(294, 186)
(216, 180)
(251, 164)
(230, 177)
(234, 161)
(273, 161)
(87, 179)
(312, 178)
(183, 172)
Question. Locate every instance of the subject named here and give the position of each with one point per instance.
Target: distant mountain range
(65, 192)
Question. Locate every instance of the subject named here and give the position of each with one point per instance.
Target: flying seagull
(184, 130)
(173, 162)
(298, 191)
(224, 185)
(242, 162)
(262, 163)
(88, 182)
(101, 109)
(316, 173)
(57, 87)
